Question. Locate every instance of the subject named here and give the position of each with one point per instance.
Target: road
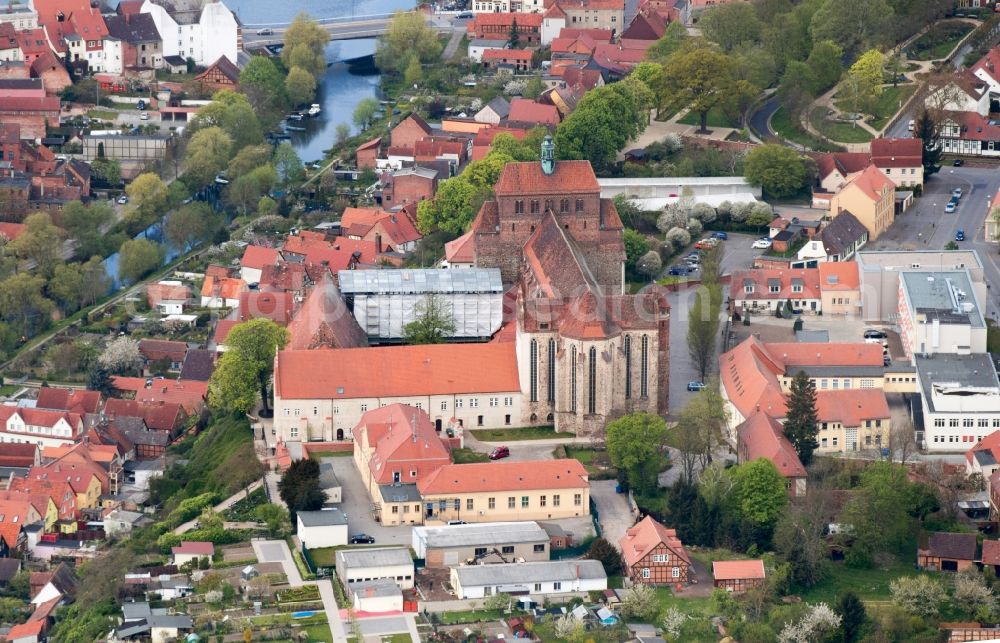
(760, 120)
(926, 226)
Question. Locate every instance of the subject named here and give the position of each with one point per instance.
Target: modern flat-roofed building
(375, 563)
(539, 578)
(960, 400)
(326, 528)
(447, 546)
(940, 312)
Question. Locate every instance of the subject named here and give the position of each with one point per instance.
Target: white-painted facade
(214, 34)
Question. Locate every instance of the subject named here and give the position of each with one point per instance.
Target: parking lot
(356, 506)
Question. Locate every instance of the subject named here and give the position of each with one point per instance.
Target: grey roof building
(548, 577)
(324, 518)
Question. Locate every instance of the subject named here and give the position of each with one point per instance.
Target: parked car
(910, 125)
(678, 271)
(141, 105)
(362, 539)
(761, 244)
(457, 522)
(499, 453)
(958, 162)
(265, 32)
(466, 15)
(694, 257)
(874, 336)
(696, 386)
(959, 235)
(144, 116)
(949, 207)
(720, 235)
(956, 193)
(123, 199)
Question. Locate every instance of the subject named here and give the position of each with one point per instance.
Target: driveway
(614, 512)
(356, 506)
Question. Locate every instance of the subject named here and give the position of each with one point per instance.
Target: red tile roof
(156, 349)
(528, 178)
(618, 57)
(989, 64)
(11, 230)
(506, 19)
(851, 408)
(158, 293)
(43, 417)
(370, 144)
(990, 443)
(62, 18)
(64, 399)
(521, 55)
(222, 329)
(361, 216)
(195, 547)
(396, 371)
(897, 152)
(871, 182)
(323, 321)
(460, 250)
(505, 476)
(645, 536)
(13, 454)
(33, 42)
(161, 416)
(991, 552)
(839, 275)
(761, 436)
(761, 278)
(843, 162)
(190, 394)
(28, 104)
(737, 569)
(222, 287)
(523, 110)
(975, 127)
(276, 306)
(25, 630)
(403, 440)
(258, 257)
(598, 35)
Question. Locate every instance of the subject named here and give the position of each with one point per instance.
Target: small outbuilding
(738, 576)
(326, 528)
(362, 565)
(947, 552)
(380, 595)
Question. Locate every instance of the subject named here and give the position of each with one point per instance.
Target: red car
(499, 453)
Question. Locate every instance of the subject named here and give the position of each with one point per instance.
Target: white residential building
(960, 399)
(326, 528)
(369, 564)
(193, 29)
(538, 578)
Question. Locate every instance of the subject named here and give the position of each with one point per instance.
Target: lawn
(516, 435)
(321, 633)
(468, 456)
(888, 104)
(868, 584)
(102, 114)
(716, 118)
(596, 462)
(938, 41)
(316, 455)
(470, 616)
(837, 130)
(324, 556)
(781, 123)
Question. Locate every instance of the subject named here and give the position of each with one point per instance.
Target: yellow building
(870, 197)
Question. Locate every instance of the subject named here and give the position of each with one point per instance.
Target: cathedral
(586, 351)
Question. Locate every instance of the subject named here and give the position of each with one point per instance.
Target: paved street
(357, 506)
(612, 508)
(926, 226)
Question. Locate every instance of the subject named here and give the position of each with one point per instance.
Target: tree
(85, 224)
(926, 129)
(263, 86)
(699, 432)
(760, 216)
(305, 45)
(299, 488)
(902, 443)
(408, 35)
(451, 210)
(778, 170)
(498, 602)
(604, 121)
(879, 512)
(852, 616)
(95, 283)
(274, 516)
(636, 245)
(190, 225)
(208, 152)
(248, 159)
(23, 305)
(106, 171)
(247, 365)
(66, 287)
(868, 68)
(703, 327)
(759, 493)
(730, 25)
(534, 87)
(698, 77)
(640, 602)
(343, 133)
(817, 623)
(364, 113)
(854, 24)
(238, 116)
(796, 87)
(147, 199)
(414, 73)
(801, 422)
(137, 258)
(568, 628)
(121, 356)
(649, 264)
(608, 554)
(433, 323)
(672, 40)
(826, 62)
(40, 243)
(973, 595)
(799, 537)
(918, 595)
(99, 379)
(300, 86)
(634, 447)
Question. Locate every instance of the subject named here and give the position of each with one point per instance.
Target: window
(592, 382)
(491, 503)
(572, 380)
(507, 549)
(867, 383)
(675, 572)
(939, 422)
(645, 572)
(823, 383)
(444, 406)
(564, 205)
(479, 420)
(519, 206)
(556, 586)
(468, 504)
(579, 205)
(508, 401)
(983, 423)
(406, 509)
(627, 348)
(395, 509)
(457, 504)
(967, 422)
(533, 373)
(578, 499)
(494, 401)
(541, 501)
(953, 423)
(511, 502)
(538, 587)
(774, 288)
(458, 403)
(551, 389)
(644, 368)
(539, 548)
(534, 206)
(293, 432)
(480, 551)
(364, 408)
(525, 501)
(473, 402)
(555, 500)
(748, 288)
(796, 287)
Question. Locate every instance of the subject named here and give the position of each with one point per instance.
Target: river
(340, 91)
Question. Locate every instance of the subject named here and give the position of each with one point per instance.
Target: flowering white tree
(694, 227)
(673, 621)
(568, 628)
(672, 217)
(678, 237)
(817, 622)
(703, 212)
(640, 601)
(121, 355)
(918, 595)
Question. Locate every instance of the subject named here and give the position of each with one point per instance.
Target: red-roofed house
(255, 258)
(397, 445)
(542, 489)
(64, 399)
(984, 458)
(222, 329)
(169, 297)
(412, 184)
(458, 253)
(738, 576)
(190, 394)
(11, 231)
(276, 306)
(411, 129)
(766, 289)
(367, 153)
(389, 230)
(946, 551)
(900, 159)
(222, 292)
(761, 436)
(970, 134)
(15, 515)
(654, 555)
(39, 426)
(75, 29)
(32, 114)
(839, 281)
(192, 551)
(161, 353)
(497, 26)
(161, 416)
(30, 632)
(515, 59)
(526, 113)
(870, 197)
(991, 555)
